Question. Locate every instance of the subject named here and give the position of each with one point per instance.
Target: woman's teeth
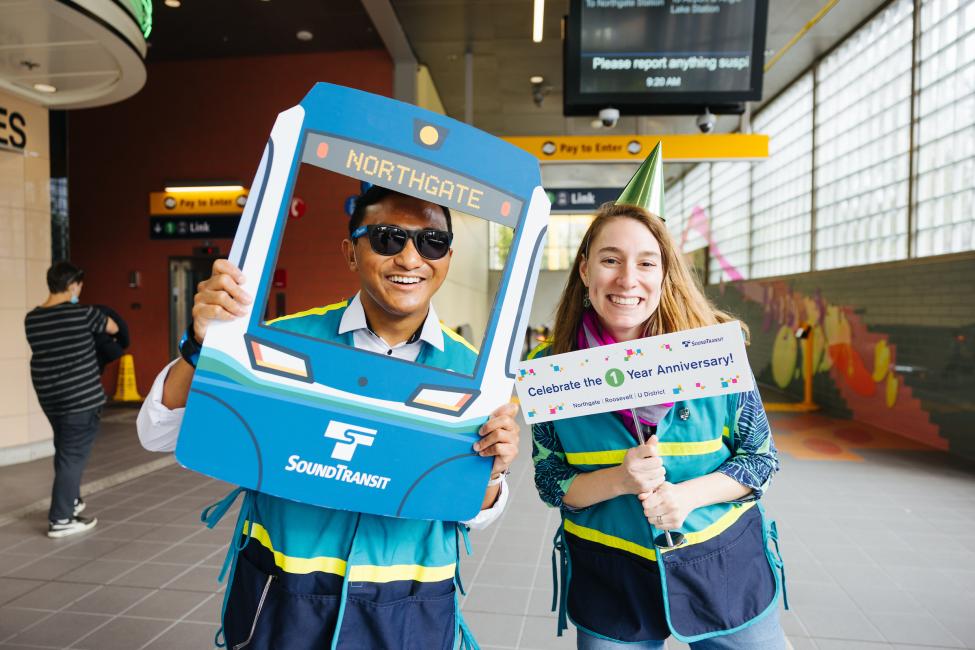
(624, 301)
(402, 279)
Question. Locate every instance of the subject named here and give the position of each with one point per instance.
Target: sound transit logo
(349, 436)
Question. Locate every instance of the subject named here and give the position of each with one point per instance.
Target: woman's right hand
(219, 297)
(642, 470)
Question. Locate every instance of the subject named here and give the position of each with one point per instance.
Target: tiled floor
(116, 455)
(878, 551)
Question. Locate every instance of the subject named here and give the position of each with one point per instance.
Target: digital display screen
(642, 52)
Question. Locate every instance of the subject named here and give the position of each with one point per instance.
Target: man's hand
(668, 506)
(642, 470)
(220, 297)
(499, 438)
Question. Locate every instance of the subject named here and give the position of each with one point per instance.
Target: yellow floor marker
(126, 390)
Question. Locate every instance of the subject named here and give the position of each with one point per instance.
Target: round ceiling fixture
(537, 79)
(304, 35)
(45, 88)
(172, 4)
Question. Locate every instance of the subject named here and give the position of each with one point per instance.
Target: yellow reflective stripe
(690, 448)
(600, 537)
(615, 456)
(315, 311)
(611, 457)
(293, 564)
(723, 523)
(726, 432)
(419, 573)
(358, 573)
(457, 337)
(539, 348)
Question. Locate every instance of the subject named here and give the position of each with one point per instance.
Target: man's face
(401, 284)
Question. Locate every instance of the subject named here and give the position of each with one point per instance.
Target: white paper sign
(703, 362)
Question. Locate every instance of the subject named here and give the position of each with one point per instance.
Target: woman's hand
(499, 438)
(642, 469)
(219, 297)
(668, 506)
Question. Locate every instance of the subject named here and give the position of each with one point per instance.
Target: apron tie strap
(467, 641)
(774, 534)
(461, 531)
(212, 515)
(560, 579)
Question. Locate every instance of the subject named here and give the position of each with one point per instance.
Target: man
(65, 373)
(307, 576)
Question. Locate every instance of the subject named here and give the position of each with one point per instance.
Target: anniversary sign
(702, 362)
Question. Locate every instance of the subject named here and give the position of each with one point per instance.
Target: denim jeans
(74, 434)
(764, 635)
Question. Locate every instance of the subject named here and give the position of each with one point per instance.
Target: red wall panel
(197, 120)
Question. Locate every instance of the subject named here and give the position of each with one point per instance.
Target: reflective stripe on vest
(723, 523)
(615, 456)
(359, 572)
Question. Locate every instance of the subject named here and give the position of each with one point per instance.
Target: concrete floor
(876, 536)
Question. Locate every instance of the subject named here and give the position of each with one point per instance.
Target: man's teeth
(402, 279)
(624, 301)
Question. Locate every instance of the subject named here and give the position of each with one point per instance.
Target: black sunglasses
(390, 240)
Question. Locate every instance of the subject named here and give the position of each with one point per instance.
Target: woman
(703, 467)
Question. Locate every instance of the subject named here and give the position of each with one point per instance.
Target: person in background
(64, 370)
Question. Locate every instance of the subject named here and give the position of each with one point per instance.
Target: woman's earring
(585, 300)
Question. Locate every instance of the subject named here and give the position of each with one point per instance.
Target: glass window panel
(729, 221)
(782, 184)
(863, 105)
(946, 133)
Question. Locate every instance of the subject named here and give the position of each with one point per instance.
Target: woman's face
(623, 273)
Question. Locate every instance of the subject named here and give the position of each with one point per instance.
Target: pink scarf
(592, 335)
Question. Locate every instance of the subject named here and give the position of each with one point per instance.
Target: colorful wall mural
(893, 343)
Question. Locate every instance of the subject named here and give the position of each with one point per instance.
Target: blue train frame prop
(322, 423)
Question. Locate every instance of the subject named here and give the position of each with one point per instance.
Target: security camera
(707, 121)
(609, 117)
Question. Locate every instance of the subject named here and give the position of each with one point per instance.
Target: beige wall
(25, 255)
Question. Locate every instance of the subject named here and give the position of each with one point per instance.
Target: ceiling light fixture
(539, 19)
(537, 79)
(172, 4)
(304, 35)
(45, 88)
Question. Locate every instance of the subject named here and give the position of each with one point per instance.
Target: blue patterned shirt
(753, 461)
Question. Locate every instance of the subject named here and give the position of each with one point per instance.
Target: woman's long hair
(683, 304)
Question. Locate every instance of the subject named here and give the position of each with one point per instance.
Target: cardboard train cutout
(323, 423)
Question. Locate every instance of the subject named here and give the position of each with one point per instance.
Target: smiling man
(309, 577)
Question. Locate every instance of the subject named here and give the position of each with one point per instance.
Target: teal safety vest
(617, 584)
(305, 577)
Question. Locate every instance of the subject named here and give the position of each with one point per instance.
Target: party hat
(646, 188)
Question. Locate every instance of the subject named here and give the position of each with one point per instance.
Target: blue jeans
(766, 634)
(74, 434)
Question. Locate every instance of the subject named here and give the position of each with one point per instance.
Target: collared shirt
(354, 320)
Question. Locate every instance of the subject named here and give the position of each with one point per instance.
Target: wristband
(189, 349)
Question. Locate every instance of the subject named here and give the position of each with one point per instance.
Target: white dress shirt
(158, 426)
